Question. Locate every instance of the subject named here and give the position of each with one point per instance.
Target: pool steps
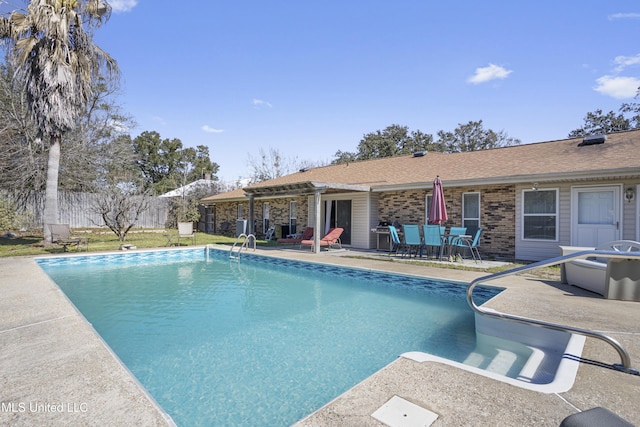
(526, 356)
(625, 359)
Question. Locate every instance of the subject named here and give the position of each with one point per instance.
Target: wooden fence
(76, 209)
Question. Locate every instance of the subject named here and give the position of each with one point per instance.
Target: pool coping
(51, 355)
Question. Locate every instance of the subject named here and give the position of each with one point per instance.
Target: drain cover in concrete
(398, 412)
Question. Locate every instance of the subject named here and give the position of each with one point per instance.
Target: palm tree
(57, 62)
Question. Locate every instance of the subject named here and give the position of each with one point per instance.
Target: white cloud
(617, 87)
(123, 5)
(623, 62)
(260, 103)
(485, 74)
(209, 129)
(624, 16)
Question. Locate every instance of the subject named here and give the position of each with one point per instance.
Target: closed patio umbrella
(438, 209)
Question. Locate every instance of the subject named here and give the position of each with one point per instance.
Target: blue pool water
(262, 342)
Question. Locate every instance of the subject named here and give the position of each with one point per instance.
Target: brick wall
(278, 213)
(497, 214)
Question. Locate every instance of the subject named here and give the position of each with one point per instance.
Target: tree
(472, 137)
(166, 165)
(186, 207)
(120, 204)
(268, 165)
(121, 195)
(271, 164)
(57, 60)
(394, 140)
(597, 122)
(22, 153)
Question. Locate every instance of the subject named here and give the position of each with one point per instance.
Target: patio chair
(395, 240)
(307, 234)
(471, 243)
(433, 235)
(185, 231)
(330, 240)
(61, 235)
(224, 228)
(447, 244)
(412, 239)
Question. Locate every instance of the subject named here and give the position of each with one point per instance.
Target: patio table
(447, 240)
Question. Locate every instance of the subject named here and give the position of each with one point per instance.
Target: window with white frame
(427, 206)
(540, 214)
(293, 216)
(265, 216)
(240, 211)
(471, 210)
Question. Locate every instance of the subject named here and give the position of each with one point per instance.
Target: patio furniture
(469, 242)
(330, 240)
(595, 417)
(395, 240)
(612, 278)
(447, 240)
(307, 234)
(185, 231)
(61, 235)
(433, 236)
(412, 240)
(224, 227)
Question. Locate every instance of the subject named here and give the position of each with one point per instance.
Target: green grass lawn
(30, 243)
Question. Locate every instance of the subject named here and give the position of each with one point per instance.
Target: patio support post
(250, 227)
(317, 227)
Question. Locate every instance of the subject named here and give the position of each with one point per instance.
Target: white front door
(595, 215)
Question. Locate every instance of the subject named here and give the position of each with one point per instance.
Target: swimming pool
(261, 342)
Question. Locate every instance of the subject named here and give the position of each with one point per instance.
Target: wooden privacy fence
(76, 209)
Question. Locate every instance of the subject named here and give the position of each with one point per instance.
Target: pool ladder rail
(625, 360)
(244, 240)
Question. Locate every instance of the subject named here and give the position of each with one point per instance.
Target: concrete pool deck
(55, 370)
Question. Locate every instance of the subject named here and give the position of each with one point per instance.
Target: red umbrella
(437, 210)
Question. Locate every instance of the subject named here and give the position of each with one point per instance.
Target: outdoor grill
(383, 236)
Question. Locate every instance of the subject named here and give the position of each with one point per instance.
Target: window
(265, 217)
(293, 216)
(240, 211)
(471, 210)
(540, 214)
(427, 205)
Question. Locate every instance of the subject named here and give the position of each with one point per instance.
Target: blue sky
(311, 78)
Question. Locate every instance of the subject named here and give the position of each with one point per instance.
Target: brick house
(529, 198)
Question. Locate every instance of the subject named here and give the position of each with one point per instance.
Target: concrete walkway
(55, 370)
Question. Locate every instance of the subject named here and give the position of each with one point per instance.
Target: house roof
(192, 187)
(542, 162)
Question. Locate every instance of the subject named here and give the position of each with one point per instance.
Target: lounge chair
(330, 240)
(412, 239)
(185, 231)
(61, 235)
(307, 234)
